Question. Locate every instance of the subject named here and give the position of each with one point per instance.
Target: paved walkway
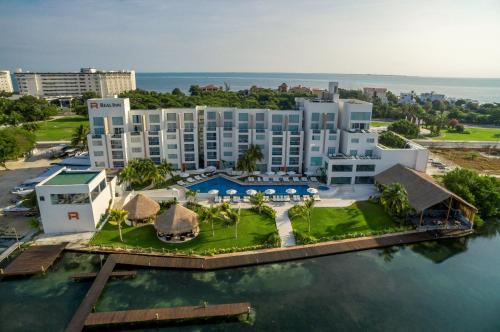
(284, 225)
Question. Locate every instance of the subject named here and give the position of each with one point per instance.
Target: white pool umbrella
(270, 173)
(291, 173)
(280, 173)
(210, 169)
(291, 191)
(251, 192)
(231, 192)
(270, 191)
(213, 192)
(312, 190)
(184, 175)
(200, 170)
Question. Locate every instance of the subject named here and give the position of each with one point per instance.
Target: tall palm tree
(248, 161)
(209, 215)
(257, 201)
(127, 175)
(148, 171)
(118, 217)
(255, 153)
(165, 168)
(305, 210)
(394, 199)
(234, 219)
(79, 137)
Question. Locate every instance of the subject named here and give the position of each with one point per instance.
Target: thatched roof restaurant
(177, 220)
(141, 207)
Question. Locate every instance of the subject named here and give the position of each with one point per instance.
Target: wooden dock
(35, 259)
(113, 318)
(93, 275)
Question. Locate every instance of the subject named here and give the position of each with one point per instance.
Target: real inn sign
(103, 105)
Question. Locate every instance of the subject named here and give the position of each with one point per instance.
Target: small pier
(93, 275)
(35, 259)
(144, 316)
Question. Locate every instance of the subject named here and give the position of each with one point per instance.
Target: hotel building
(5, 81)
(52, 85)
(325, 135)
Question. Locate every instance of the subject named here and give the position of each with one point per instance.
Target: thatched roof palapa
(177, 220)
(141, 207)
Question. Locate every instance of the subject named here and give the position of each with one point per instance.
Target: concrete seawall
(459, 144)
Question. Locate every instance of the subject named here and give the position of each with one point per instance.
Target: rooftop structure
(380, 93)
(73, 84)
(68, 178)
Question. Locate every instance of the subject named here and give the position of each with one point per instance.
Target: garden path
(284, 225)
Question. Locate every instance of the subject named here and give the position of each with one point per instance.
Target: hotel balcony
(340, 156)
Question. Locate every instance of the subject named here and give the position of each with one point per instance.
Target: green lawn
(471, 134)
(59, 129)
(360, 217)
(253, 230)
(380, 123)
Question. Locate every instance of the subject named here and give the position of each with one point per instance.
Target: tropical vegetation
(15, 142)
(405, 128)
(394, 200)
(25, 109)
(139, 173)
(79, 137)
(391, 140)
(248, 160)
(305, 211)
(117, 217)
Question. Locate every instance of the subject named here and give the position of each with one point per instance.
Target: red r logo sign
(93, 105)
(73, 215)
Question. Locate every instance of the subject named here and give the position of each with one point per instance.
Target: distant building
(299, 89)
(209, 88)
(73, 201)
(320, 93)
(371, 93)
(431, 96)
(283, 88)
(5, 81)
(73, 84)
(407, 97)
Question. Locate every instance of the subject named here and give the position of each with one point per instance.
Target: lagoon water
(451, 285)
(484, 90)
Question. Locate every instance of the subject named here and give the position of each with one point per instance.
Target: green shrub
(303, 238)
(273, 240)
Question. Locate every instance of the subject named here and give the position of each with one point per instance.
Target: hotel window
(154, 127)
(259, 125)
(316, 161)
(354, 140)
(116, 144)
(171, 117)
(277, 118)
(211, 145)
(315, 148)
(189, 147)
(171, 136)
(188, 116)
(361, 116)
(98, 121)
(228, 144)
(243, 126)
(190, 166)
(211, 155)
(315, 137)
(211, 125)
(315, 117)
(243, 116)
(136, 119)
(155, 118)
(98, 153)
(136, 150)
(57, 199)
(294, 151)
(211, 116)
(171, 146)
(117, 154)
(364, 180)
(242, 148)
(315, 125)
(261, 147)
(117, 121)
(276, 160)
(154, 140)
(353, 153)
(156, 160)
(259, 117)
(228, 135)
(260, 137)
(331, 151)
(118, 164)
(189, 137)
(228, 115)
(370, 140)
(277, 151)
(228, 154)
(243, 139)
(228, 125)
(341, 168)
(332, 137)
(330, 126)
(100, 164)
(154, 151)
(118, 131)
(211, 136)
(293, 161)
(189, 157)
(135, 139)
(277, 128)
(172, 156)
(171, 127)
(368, 153)
(330, 117)
(341, 180)
(293, 128)
(189, 126)
(294, 140)
(277, 140)
(293, 118)
(97, 143)
(365, 168)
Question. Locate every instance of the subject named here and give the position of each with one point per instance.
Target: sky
(444, 38)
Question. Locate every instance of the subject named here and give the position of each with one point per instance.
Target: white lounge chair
(276, 179)
(181, 183)
(265, 179)
(286, 179)
(287, 198)
(236, 199)
(304, 197)
(190, 180)
(246, 199)
(251, 179)
(314, 179)
(295, 179)
(226, 199)
(316, 198)
(296, 198)
(197, 177)
(203, 176)
(217, 199)
(266, 198)
(303, 179)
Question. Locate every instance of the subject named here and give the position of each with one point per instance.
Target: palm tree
(147, 170)
(118, 216)
(305, 210)
(394, 199)
(127, 175)
(257, 201)
(209, 215)
(165, 168)
(248, 161)
(234, 219)
(79, 138)
(255, 153)
(191, 196)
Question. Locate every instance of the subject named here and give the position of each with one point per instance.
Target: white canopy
(213, 192)
(251, 192)
(231, 191)
(270, 191)
(312, 190)
(291, 191)
(210, 169)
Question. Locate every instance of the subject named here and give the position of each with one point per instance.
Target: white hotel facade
(322, 135)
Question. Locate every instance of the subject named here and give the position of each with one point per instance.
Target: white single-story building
(74, 201)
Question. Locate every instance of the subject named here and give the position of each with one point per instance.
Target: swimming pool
(222, 185)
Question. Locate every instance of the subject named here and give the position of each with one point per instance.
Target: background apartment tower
(5, 81)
